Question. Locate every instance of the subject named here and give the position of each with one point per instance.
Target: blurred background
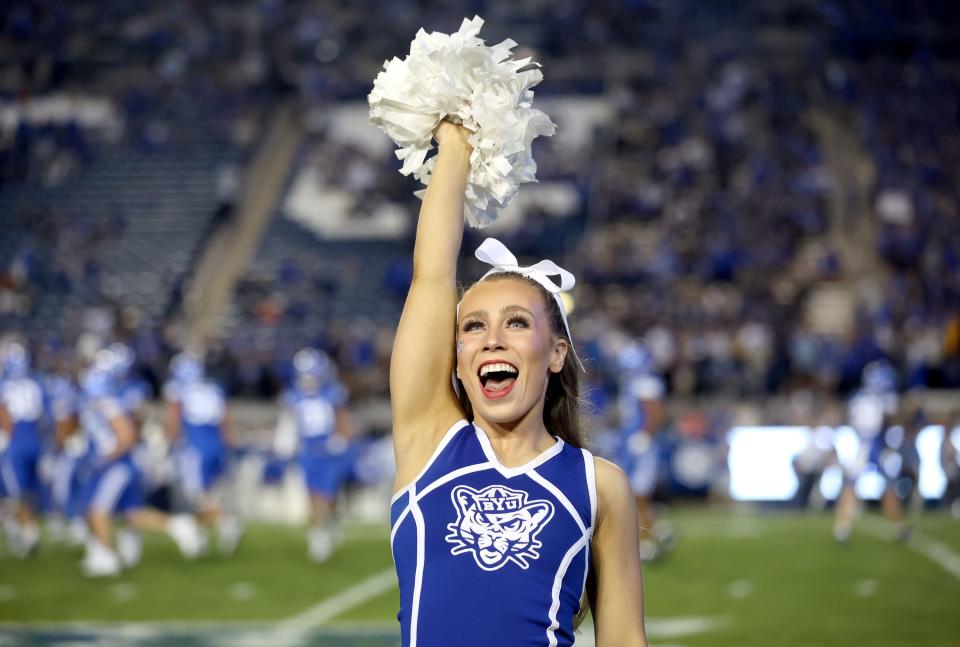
(759, 200)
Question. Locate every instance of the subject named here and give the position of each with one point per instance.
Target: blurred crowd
(706, 199)
(907, 118)
(704, 206)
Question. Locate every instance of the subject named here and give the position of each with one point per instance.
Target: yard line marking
(684, 626)
(325, 610)
(919, 543)
(110, 625)
(865, 588)
(739, 589)
(243, 591)
(123, 592)
(658, 628)
(940, 553)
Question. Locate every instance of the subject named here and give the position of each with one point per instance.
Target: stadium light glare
(932, 480)
(870, 485)
(761, 462)
(831, 482)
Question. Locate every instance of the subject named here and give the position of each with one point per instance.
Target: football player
(22, 405)
(198, 425)
(316, 402)
(641, 412)
(115, 488)
(870, 410)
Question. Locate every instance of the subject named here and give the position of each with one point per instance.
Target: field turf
(735, 579)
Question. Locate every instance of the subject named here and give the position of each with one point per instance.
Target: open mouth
(497, 378)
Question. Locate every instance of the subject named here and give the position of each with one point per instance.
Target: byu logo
(497, 525)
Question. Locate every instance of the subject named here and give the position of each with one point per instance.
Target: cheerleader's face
(506, 350)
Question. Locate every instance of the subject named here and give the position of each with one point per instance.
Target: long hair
(563, 407)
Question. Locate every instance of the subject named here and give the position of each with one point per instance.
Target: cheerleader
(504, 528)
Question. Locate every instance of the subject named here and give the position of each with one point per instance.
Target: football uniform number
(316, 417)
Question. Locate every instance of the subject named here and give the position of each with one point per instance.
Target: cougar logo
(497, 525)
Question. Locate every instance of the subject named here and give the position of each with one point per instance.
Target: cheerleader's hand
(449, 133)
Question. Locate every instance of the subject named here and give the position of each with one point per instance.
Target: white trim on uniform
(557, 585)
(447, 437)
(590, 466)
(562, 498)
(446, 478)
(510, 472)
(396, 526)
(449, 476)
(421, 559)
(586, 574)
(110, 488)
(591, 469)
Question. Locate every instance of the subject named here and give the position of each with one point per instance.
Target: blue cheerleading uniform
(492, 555)
(321, 452)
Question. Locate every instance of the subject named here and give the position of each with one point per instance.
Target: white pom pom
(458, 77)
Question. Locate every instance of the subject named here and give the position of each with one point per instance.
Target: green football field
(735, 579)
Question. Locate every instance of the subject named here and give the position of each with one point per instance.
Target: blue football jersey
(96, 412)
(202, 402)
(63, 397)
(633, 392)
(24, 399)
(25, 402)
(314, 413)
(134, 393)
(203, 406)
(493, 555)
(868, 410)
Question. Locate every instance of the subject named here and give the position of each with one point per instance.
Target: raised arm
(617, 599)
(423, 403)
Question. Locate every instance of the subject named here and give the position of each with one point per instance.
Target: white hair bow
(495, 253)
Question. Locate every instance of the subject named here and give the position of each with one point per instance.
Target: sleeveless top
(490, 555)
